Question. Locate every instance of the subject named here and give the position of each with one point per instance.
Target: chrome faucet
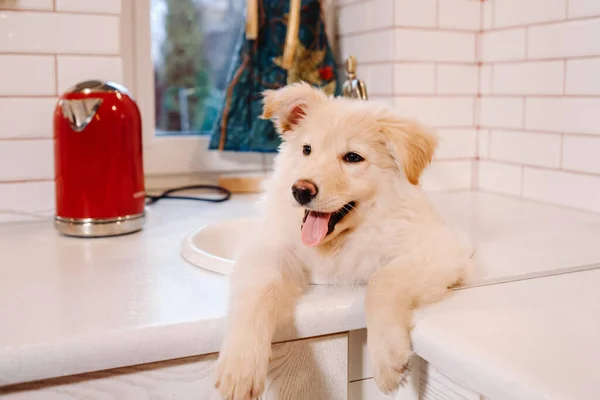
(353, 87)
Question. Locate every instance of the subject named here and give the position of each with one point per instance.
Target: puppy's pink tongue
(315, 228)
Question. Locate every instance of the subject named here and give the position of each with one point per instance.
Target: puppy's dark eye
(306, 149)
(353, 158)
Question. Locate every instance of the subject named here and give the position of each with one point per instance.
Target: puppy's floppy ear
(287, 106)
(410, 144)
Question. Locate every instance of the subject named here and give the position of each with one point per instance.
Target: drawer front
(424, 383)
(305, 369)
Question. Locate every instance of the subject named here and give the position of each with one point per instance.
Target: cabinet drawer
(424, 383)
(305, 369)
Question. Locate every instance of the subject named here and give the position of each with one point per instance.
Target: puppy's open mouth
(317, 225)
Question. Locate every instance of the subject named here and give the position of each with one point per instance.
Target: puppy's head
(338, 154)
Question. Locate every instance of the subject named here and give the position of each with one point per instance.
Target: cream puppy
(343, 206)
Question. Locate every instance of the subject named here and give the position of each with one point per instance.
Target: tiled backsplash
(540, 104)
(512, 86)
(421, 56)
(46, 46)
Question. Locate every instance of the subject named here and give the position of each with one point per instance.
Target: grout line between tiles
(540, 131)
(543, 23)
(562, 147)
(564, 88)
(56, 75)
(406, 27)
(56, 90)
(409, 62)
(435, 80)
(522, 181)
(542, 167)
(55, 11)
(489, 144)
(27, 96)
(49, 54)
(25, 139)
(352, 3)
(20, 181)
(523, 60)
(524, 116)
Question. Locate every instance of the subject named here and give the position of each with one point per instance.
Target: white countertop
(70, 306)
(530, 340)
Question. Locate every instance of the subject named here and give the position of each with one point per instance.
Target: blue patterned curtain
(257, 67)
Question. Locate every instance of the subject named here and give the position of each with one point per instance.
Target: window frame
(178, 154)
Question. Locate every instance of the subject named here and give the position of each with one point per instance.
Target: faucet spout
(353, 87)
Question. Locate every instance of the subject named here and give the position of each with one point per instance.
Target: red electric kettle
(98, 161)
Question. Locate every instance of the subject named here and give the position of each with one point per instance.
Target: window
(192, 46)
(176, 56)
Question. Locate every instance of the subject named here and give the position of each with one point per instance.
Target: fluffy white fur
(392, 239)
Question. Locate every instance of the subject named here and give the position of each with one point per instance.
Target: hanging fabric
(283, 42)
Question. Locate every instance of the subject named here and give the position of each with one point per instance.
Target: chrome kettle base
(99, 227)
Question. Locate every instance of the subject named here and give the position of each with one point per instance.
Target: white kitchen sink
(213, 246)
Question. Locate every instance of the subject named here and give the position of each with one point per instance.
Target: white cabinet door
(362, 385)
(305, 369)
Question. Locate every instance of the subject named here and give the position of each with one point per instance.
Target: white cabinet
(334, 367)
(314, 368)
(424, 382)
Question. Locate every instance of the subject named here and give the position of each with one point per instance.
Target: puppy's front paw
(241, 370)
(390, 354)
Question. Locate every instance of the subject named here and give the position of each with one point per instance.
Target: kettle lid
(96, 86)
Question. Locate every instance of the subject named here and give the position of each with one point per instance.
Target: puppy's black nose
(304, 191)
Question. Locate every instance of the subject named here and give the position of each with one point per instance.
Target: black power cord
(167, 194)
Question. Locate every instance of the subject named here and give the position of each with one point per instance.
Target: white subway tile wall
(89, 6)
(581, 153)
(437, 111)
(414, 78)
(501, 112)
(379, 77)
(583, 76)
(434, 45)
(73, 69)
(506, 44)
(460, 14)
(512, 87)
(414, 13)
(28, 5)
(457, 143)
(40, 57)
(541, 101)
(423, 63)
(519, 12)
(499, 177)
(537, 77)
(457, 79)
(55, 33)
(447, 175)
(526, 148)
(36, 75)
(26, 117)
